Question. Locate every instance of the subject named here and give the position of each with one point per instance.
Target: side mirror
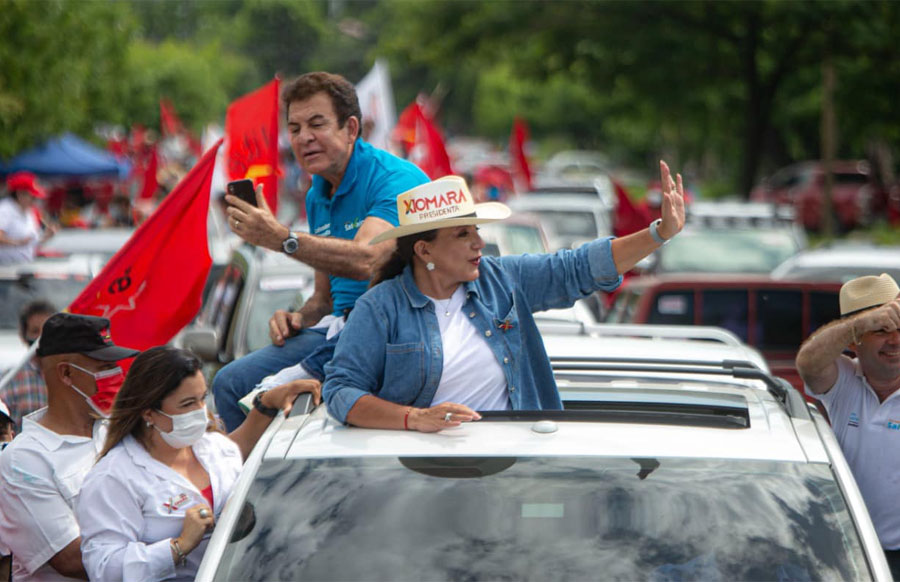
(203, 342)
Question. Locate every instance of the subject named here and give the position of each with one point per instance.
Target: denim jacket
(391, 346)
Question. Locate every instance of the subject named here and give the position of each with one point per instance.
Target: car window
(575, 224)
(726, 308)
(523, 239)
(779, 319)
(726, 251)
(274, 293)
(823, 308)
(673, 308)
(219, 309)
(508, 518)
(60, 290)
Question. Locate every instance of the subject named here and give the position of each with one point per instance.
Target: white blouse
(131, 506)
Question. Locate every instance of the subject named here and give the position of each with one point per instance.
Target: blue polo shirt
(370, 186)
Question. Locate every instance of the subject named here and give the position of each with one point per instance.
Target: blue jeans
(238, 378)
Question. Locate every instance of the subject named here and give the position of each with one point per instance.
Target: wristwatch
(258, 404)
(654, 232)
(290, 244)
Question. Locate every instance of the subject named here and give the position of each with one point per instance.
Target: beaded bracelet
(182, 557)
(406, 418)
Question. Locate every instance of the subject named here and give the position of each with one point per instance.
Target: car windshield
(570, 223)
(726, 251)
(507, 518)
(15, 293)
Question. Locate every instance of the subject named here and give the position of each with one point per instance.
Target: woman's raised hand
(672, 210)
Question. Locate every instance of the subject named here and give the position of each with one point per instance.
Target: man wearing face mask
(41, 472)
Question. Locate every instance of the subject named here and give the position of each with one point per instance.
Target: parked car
(802, 186)
(662, 467)
(729, 237)
(235, 318)
(840, 263)
(774, 316)
(517, 235)
(569, 220)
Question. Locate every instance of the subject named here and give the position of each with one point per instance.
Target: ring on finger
(448, 416)
(204, 513)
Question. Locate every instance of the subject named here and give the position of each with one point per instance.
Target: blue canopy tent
(67, 156)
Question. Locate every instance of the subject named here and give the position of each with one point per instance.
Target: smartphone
(243, 189)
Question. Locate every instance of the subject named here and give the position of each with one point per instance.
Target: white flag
(376, 100)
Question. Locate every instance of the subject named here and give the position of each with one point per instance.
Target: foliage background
(727, 90)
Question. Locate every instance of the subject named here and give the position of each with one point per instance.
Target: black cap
(68, 333)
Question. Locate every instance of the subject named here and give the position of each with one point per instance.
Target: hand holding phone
(243, 189)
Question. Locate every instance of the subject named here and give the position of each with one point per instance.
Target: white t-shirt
(471, 374)
(41, 473)
(869, 434)
(18, 223)
(132, 505)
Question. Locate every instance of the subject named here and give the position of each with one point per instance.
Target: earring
(149, 424)
(429, 265)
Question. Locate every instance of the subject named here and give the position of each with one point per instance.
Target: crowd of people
(409, 328)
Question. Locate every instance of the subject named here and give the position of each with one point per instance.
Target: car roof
(850, 256)
(725, 280)
(549, 202)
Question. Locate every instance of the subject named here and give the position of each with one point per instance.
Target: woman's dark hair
(154, 374)
(402, 256)
(32, 308)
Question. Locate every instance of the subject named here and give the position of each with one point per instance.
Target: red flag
(519, 166)
(628, 217)
(170, 125)
(418, 133)
(152, 287)
(251, 127)
(150, 182)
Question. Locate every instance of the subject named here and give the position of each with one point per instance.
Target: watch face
(290, 245)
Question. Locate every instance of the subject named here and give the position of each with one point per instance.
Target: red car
(802, 185)
(772, 316)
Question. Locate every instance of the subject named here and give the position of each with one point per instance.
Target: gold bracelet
(182, 557)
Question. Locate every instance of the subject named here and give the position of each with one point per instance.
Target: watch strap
(654, 232)
(262, 408)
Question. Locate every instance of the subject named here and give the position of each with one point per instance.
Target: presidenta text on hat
(441, 203)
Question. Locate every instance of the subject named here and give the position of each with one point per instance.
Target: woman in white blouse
(164, 475)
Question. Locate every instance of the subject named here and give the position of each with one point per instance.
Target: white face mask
(187, 428)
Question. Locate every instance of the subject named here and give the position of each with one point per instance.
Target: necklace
(445, 305)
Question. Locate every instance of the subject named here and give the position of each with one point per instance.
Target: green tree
(61, 62)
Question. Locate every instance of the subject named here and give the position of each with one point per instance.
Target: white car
(569, 220)
(673, 464)
(840, 263)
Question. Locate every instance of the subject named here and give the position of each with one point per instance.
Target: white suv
(662, 467)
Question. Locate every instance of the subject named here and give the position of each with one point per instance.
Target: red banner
(519, 166)
(153, 286)
(424, 142)
(170, 126)
(251, 128)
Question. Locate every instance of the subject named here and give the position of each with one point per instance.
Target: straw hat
(866, 292)
(438, 204)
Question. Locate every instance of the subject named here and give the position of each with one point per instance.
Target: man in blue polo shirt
(352, 199)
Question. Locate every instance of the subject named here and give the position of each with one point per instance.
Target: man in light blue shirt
(352, 199)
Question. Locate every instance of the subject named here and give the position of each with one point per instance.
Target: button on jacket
(391, 346)
(131, 506)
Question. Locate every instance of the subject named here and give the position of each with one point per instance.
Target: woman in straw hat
(446, 332)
